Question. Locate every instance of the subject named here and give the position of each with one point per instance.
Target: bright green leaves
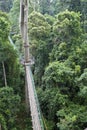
(39, 33)
(4, 27)
(60, 78)
(9, 106)
(39, 30)
(38, 27)
(7, 52)
(63, 80)
(4, 32)
(72, 117)
(60, 52)
(65, 74)
(68, 38)
(59, 75)
(67, 27)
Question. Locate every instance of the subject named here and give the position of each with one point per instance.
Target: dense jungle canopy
(57, 31)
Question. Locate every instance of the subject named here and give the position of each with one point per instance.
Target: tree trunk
(0, 126)
(4, 74)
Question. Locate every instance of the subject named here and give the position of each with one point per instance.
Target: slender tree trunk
(0, 126)
(4, 73)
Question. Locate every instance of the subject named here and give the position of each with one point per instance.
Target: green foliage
(15, 31)
(4, 27)
(58, 75)
(9, 56)
(64, 75)
(82, 81)
(67, 27)
(15, 10)
(73, 117)
(78, 57)
(59, 52)
(3, 122)
(38, 27)
(51, 100)
(61, 79)
(9, 106)
(9, 102)
(50, 19)
(39, 32)
(68, 39)
(49, 125)
(13, 71)
(58, 40)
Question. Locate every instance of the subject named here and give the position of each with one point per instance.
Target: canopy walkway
(37, 122)
(31, 95)
(33, 100)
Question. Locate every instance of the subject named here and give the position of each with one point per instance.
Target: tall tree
(39, 32)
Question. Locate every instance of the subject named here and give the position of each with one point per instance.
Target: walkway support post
(24, 27)
(24, 33)
(30, 96)
(26, 44)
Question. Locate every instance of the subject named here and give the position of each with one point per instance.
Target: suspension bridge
(33, 100)
(31, 94)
